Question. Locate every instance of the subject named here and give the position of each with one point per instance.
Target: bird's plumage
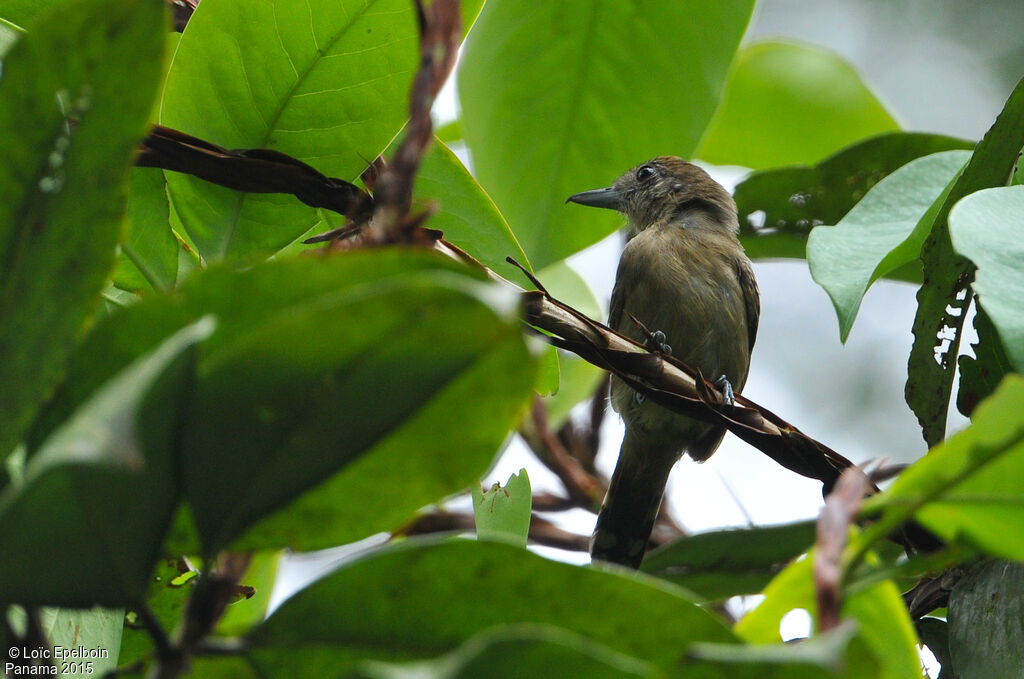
(682, 272)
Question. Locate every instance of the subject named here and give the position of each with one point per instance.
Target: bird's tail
(631, 506)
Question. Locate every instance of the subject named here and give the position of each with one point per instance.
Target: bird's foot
(656, 343)
(724, 386)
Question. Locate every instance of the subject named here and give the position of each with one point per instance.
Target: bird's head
(662, 189)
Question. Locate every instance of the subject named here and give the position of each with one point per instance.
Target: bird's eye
(645, 173)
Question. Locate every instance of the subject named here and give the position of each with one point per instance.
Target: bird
(684, 275)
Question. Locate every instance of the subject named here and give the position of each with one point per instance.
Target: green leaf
(24, 12)
(518, 651)
(566, 285)
(466, 214)
(788, 103)
(986, 228)
(548, 373)
(480, 403)
(95, 629)
(149, 255)
(550, 106)
(821, 656)
(62, 185)
(779, 207)
(449, 132)
(573, 379)
(392, 375)
(577, 382)
(882, 232)
(986, 637)
(885, 645)
(101, 489)
(968, 487)
(504, 513)
(981, 374)
(325, 82)
(945, 295)
(726, 563)
(423, 598)
(114, 342)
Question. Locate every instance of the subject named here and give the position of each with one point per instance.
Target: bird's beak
(610, 198)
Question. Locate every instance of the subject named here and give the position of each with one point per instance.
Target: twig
(542, 531)
(839, 512)
(585, 489)
(161, 642)
(675, 386)
(182, 11)
(440, 33)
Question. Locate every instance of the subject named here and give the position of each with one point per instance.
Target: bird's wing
(623, 281)
(751, 296)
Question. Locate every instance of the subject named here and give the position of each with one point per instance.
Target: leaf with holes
(945, 293)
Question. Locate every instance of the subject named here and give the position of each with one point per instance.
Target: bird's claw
(724, 386)
(656, 343)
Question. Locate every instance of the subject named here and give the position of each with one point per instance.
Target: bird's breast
(684, 283)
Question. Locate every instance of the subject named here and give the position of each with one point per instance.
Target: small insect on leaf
(503, 513)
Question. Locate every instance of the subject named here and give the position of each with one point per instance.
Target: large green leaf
(969, 487)
(448, 360)
(371, 385)
(779, 207)
(986, 227)
(790, 103)
(69, 123)
(726, 563)
(550, 105)
(944, 296)
(420, 599)
(882, 232)
(102, 488)
(326, 82)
